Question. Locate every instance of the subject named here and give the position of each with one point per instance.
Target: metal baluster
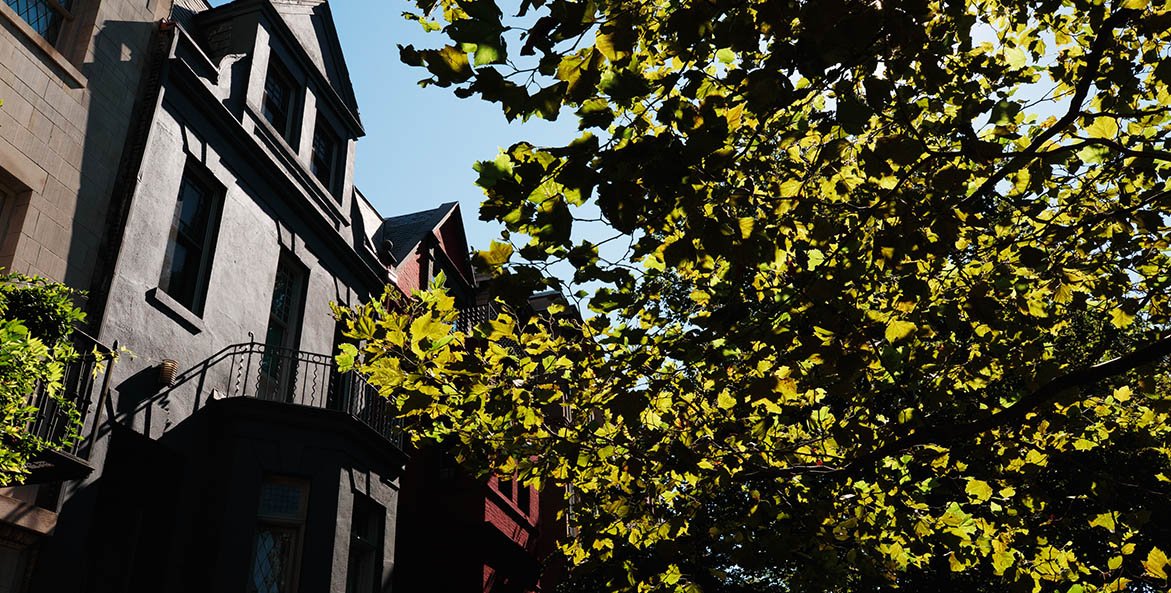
(248, 366)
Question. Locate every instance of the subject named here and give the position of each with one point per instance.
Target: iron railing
(84, 378)
(470, 317)
(301, 378)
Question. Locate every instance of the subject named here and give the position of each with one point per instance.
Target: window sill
(73, 76)
(163, 302)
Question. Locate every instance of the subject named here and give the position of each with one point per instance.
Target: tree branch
(1093, 66)
(1047, 393)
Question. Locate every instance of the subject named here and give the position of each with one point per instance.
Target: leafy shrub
(36, 322)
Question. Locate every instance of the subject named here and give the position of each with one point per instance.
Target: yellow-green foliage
(36, 320)
(895, 309)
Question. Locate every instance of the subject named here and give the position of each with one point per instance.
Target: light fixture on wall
(168, 370)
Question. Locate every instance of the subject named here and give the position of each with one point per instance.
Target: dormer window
(278, 99)
(44, 16)
(324, 163)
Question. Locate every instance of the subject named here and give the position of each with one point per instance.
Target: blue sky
(421, 143)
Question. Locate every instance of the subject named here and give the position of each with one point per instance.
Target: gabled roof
(312, 24)
(307, 27)
(406, 232)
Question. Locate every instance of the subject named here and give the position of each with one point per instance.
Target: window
(365, 566)
(187, 263)
(523, 498)
(44, 16)
(278, 99)
(276, 551)
(505, 487)
(284, 321)
(324, 163)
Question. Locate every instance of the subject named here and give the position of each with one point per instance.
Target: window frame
(371, 547)
(278, 378)
(278, 72)
(297, 523)
(60, 14)
(194, 175)
(323, 129)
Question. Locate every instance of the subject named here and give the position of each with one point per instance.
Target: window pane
(364, 568)
(186, 262)
(194, 211)
(276, 102)
(177, 281)
(272, 568)
(282, 295)
(324, 155)
(40, 16)
(281, 500)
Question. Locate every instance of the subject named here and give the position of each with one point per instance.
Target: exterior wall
(67, 108)
(172, 503)
(62, 127)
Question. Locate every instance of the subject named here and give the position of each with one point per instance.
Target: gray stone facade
(161, 142)
(66, 112)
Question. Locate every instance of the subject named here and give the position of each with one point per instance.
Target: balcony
(84, 379)
(292, 377)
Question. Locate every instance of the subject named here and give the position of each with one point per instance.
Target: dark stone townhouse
(209, 159)
(191, 168)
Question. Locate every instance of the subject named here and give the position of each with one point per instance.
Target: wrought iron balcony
(84, 380)
(296, 377)
(470, 317)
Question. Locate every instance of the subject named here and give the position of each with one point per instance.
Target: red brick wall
(408, 272)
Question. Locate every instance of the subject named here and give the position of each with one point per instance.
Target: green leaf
(346, 356)
(1015, 57)
(497, 255)
(1093, 154)
(979, 490)
(449, 64)
(429, 328)
(488, 54)
(1156, 564)
(1120, 318)
(746, 224)
(1103, 127)
(726, 56)
(726, 401)
(898, 330)
(1105, 521)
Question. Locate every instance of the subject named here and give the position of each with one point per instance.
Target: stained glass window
(279, 533)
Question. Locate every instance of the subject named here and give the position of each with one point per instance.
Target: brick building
(457, 532)
(192, 168)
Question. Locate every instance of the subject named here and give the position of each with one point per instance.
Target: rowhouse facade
(213, 222)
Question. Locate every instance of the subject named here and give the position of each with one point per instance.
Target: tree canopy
(894, 311)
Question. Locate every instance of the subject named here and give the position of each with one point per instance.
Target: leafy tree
(36, 320)
(895, 308)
